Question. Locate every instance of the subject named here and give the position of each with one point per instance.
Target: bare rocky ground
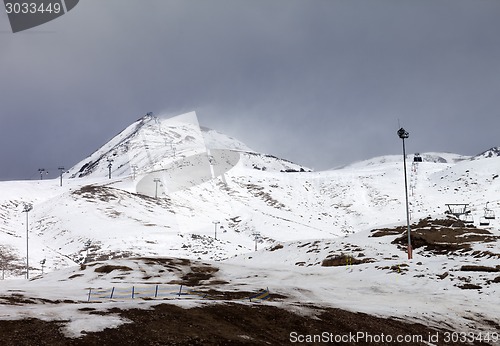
(219, 324)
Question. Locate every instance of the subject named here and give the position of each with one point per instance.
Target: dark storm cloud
(321, 82)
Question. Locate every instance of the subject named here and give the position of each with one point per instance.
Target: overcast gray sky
(319, 82)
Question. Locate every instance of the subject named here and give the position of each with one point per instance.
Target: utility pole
(41, 171)
(110, 164)
(88, 243)
(42, 262)
(156, 180)
(403, 134)
(134, 171)
(27, 208)
(61, 170)
(256, 235)
(216, 223)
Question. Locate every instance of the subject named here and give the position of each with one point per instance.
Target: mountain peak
(151, 143)
(492, 152)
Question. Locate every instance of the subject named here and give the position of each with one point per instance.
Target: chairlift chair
(483, 221)
(488, 213)
(468, 218)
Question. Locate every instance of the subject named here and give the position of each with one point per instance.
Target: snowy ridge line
(156, 292)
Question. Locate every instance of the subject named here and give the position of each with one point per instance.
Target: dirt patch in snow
(198, 274)
(344, 260)
(109, 268)
(440, 236)
(475, 268)
(446, 240)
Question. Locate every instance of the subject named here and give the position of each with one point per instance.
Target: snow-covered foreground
(456, 290)
(372, 275)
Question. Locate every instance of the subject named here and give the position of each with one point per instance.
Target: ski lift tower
(461, 211)
(110, 164)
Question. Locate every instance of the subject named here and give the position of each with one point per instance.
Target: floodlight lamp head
(403, 134)
(27, 207)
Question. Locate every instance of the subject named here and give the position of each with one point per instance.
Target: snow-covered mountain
(425, 157)
(181, 190)
(186, 205)
(493, 152)
(153, 143)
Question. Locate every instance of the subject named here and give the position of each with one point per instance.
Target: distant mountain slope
(180, 190)
(155, 143)
(426, 157)
(493, 152)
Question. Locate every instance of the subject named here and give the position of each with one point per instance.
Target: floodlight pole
(42, 262)
(61, 170)
(216, 223)
(41, 171)
(109, 167)
(27, 208)
(403, 135)
(156, 180)
(87, 246)
(256, 235)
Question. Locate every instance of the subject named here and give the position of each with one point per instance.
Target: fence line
(159, 292)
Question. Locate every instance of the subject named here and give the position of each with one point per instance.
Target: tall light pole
(403, 134)
(88, 243)
(41, 171)
(61, 170)
(256, 235)
(42, 262)
(27, 208)
(156, 180)
(134, 171)
(216, 223)
(110, 164)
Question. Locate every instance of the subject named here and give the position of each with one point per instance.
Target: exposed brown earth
(218, 324)
(441, 236)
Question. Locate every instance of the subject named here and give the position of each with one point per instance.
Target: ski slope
(215, 178)
(171, 180)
